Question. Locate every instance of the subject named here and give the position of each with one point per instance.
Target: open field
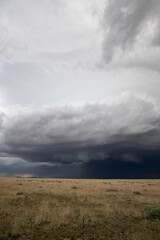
(36, 208)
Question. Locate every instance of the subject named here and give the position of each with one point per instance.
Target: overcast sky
(80, 88)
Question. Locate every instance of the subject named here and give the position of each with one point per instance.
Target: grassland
(35, 208)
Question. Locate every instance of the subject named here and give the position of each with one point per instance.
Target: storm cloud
(86, 133)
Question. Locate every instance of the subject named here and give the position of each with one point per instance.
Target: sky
(80, 88)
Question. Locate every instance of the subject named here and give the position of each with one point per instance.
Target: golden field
(37, 208)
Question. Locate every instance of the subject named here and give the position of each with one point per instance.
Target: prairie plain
(69, 209)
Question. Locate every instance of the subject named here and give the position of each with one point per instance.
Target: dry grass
(78, 209)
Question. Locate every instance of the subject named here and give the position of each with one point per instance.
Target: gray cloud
(124, 128)
(131, 28)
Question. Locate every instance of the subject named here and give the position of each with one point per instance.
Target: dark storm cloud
(125, 129)
(127, 23)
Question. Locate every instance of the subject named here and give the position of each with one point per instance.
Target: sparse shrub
(136, 193)
(111, 190)
(19, 193)
(152, 212)
(107, 183)
(74, 187)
